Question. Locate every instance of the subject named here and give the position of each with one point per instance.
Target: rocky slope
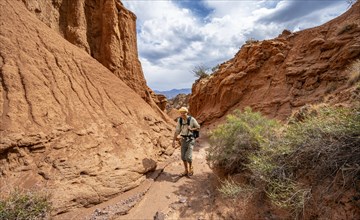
(175, 103)
(68, 123)
(280, 75)
(105, 29)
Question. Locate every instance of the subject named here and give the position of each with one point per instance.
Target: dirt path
(174, 197)
(163, 195)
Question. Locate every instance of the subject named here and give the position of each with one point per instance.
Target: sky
(175, 36)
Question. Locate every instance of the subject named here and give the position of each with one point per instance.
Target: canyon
(78, 119)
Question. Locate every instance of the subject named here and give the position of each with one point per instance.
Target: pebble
(182, 200)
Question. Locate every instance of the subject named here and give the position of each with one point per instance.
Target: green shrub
(232, 143)
(324, 144)
(25, 205)
(321, 146)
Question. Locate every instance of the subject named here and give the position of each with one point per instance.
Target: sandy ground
(174, 197)
(164, 194)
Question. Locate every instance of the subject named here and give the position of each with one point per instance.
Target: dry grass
(230, 189)
(25, 205)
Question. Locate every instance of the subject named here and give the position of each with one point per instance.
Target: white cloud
(172, 39)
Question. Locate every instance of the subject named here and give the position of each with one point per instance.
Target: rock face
(67, 122)
(160, 100)
(105, 29)
(178, 102)
(175, 103)
(280, 75)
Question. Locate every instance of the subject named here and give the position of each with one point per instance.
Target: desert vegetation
(25, 205)
(289, 162)
(251, 41)
(201, 71)
(233, 143)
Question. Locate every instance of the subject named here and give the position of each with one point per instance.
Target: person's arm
(176, 133)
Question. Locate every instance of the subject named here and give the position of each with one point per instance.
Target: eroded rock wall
(69, 124)
(105, 29)
(280, 75)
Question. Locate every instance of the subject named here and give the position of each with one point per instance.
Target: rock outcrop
(278, 76)
(178, 102)
(105, 29)
(175, 103)
(68, 123)
(160, 100)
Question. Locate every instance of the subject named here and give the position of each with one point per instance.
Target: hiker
(186, 125)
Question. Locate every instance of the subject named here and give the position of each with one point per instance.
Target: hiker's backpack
(196, 134)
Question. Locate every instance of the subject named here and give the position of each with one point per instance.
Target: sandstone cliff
(67, 122)
(280, 75)
(105, 29)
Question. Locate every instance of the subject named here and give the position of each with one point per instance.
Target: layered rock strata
(105, 29)
(280, 75)
(68, 124)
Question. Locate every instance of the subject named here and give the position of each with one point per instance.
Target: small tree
(215, 68)
(200, 71)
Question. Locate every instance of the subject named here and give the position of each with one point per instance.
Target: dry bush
(25, 205)
(325, 144)
(232, 143)
(321, 147)
(322, 143)
(230, 189)
(200, 71)
(251, 41)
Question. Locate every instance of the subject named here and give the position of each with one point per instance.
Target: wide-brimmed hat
(183, 109)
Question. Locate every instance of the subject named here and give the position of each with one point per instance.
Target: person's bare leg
(186, 166)
(186, 169)
(191, 169)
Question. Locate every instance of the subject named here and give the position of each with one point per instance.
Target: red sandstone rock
(67, 122)
(105, 29)
(278, 76)
(178, 101)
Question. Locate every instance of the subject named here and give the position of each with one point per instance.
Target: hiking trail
(164, 194)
